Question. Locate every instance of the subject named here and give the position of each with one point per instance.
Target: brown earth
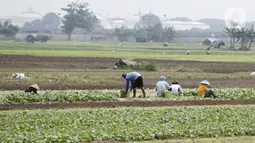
(27, 61)
(126, 104)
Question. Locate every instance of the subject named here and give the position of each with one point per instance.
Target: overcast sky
(194, 9)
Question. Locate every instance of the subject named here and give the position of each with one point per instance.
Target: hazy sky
(194, 9)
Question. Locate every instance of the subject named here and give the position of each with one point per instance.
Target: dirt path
(126, 104)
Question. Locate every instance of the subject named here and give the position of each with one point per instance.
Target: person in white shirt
(175, 88)
(162, 85)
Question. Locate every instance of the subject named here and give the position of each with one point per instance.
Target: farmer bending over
(136, 82)
(33, 88)
(203, 90)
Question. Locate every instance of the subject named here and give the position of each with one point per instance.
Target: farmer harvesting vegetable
(162, 85)
(176, 88)
(204, 91)
(32, 88)
(136, 82)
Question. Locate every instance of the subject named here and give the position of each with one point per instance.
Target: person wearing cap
(176, 88)
(136, 82)
(32, 88)
(162, 85)
(204, 91)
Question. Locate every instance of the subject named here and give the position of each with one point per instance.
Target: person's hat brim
(35, 86)
(205, 82)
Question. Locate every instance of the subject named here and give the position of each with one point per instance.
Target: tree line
(8, 30)
(244, 36)
(147, 30)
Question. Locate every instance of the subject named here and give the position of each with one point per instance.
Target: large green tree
(8, 30)
(50, 23)
(123, 34)
(148, 21)
(78, 16)
(169, 34)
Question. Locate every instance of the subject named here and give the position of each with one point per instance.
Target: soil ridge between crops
(117, 104)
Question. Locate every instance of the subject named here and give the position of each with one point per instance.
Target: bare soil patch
(27, 61)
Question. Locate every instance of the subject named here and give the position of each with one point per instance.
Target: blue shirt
(131, 77)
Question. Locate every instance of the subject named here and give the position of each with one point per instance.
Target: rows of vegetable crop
(126, 124)
(223, 94)
(60, 97)
(84, 96)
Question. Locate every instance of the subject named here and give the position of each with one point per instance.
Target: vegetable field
(126, 124)
(97, 95)
(60, 97)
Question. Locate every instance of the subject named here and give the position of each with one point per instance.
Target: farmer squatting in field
(176, 88)
(32, 88)
(162, 85)
(136, 82)
(203, 90)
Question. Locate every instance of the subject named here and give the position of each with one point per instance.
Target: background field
(88, 65)
(124, 50)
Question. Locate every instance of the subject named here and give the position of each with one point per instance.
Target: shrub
(33, 38)
(149, 66)
(43, 38)
(30, 38)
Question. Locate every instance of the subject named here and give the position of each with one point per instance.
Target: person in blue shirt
(136, 82)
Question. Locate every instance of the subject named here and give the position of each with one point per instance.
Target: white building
(24, 17)
(131, 22)
(178, 25)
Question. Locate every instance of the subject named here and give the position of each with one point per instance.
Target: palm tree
(232, 33)
(242, 37)
(251, 37)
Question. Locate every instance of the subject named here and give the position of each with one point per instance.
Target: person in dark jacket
(32, 89)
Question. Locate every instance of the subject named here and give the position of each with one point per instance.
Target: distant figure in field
(188, 53)
(175, 88)
(136, 82)
(162, 85)
(166, 44)
(208, 48)
(203, 90)
(32, 89)
(207, 52)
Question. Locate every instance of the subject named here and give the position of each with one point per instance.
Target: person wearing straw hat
(32, 88)
(162, 86)
(204, 91)
(176, 88)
